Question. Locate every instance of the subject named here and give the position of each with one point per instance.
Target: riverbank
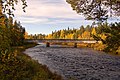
(22, 67)
(77, 63)
(95, 46)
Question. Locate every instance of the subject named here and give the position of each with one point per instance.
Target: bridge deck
(63, 40)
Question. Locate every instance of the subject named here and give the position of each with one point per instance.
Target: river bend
(77, 63)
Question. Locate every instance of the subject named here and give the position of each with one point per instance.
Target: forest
(109, 34)
(84, 32)
(14, 65)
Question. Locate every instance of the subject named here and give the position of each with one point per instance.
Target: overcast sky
(45, 16)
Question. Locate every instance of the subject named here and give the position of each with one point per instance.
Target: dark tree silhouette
(96, 9)
(8, 6)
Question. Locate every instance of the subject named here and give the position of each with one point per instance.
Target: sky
(45, 16)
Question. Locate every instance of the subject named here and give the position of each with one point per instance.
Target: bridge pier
(47, 44)
(75, 45)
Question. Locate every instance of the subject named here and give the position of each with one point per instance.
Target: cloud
(48, 12)
(48, 8)
(49, 20)
(45, 16)
(33, 20)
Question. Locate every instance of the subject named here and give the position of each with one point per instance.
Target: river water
(77, 63)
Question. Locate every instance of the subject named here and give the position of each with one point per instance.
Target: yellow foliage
(49, 36)
(103, 36)
(69, 36)
(62, 35)
(93, 31)
(118, 50)
(26, 35)
(86, 35)
(2, 21)
(79, 37)
(99, 47)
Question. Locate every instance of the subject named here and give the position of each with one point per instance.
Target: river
(77, 63)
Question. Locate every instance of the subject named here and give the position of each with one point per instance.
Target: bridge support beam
(47, 44)
(75, 45)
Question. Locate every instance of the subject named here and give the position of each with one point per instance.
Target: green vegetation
(111, 36)
(14, 65)
(107, 35)
(99, 10)
(11, 34)
(81, 33)
(19, 66)
(8, 6)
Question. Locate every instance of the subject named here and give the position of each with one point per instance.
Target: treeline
(108, 34)
(36, 36)
(84, 32)
(81, 33)
(14, 65)
(11, 33)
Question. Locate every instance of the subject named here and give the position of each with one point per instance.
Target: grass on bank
(22, 67)
(95, 46)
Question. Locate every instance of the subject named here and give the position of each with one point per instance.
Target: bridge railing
(75, 41)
